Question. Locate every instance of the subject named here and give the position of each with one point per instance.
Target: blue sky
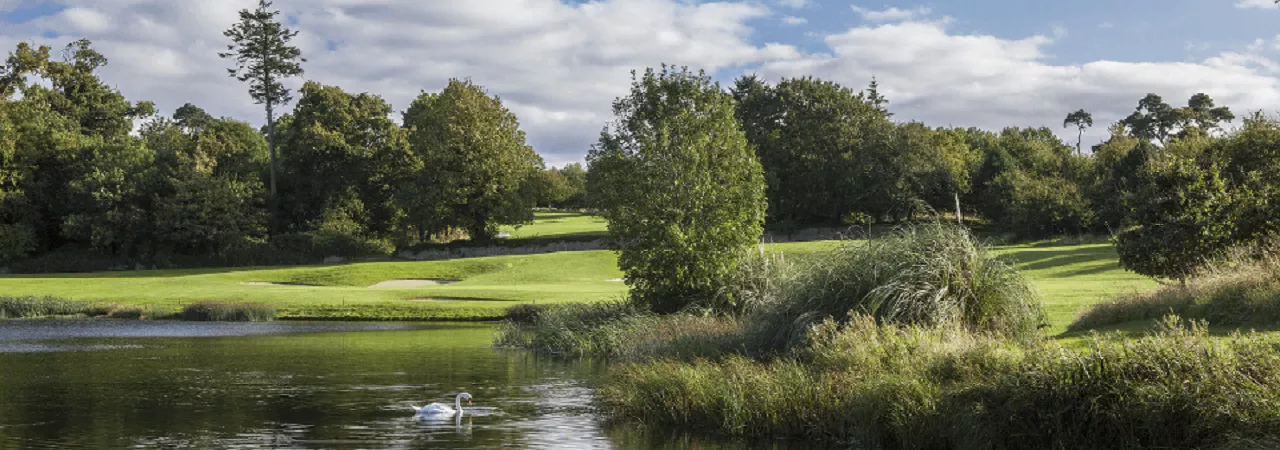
(559, 63)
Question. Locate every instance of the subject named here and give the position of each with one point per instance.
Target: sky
(558, 64)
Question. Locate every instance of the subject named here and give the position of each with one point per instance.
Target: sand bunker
(616, 280)
(410, 284)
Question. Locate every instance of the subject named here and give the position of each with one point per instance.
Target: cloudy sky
(559, 63)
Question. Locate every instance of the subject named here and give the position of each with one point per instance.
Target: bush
(1181, 219)
(929, 274)
(873, 386)
(1232, 294)
(228, 312)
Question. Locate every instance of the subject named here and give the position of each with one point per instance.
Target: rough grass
(1229, 294)
(876, 386)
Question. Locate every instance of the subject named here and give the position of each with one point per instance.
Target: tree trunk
(273, 199)
(959, 216)
(1080, 142)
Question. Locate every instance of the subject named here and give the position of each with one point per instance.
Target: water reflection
(94, 384)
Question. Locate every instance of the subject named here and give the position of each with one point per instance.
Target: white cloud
(1257, 4)
(793, 20)
(893, 14)
(557, 66)
(931, 74)
(793, 3)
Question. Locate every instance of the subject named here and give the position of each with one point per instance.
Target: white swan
(440, 409)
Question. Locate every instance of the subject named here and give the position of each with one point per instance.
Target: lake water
(129, 384)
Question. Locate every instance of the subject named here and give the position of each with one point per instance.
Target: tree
(575, 177)
(1202, 114)
(1082, 120)
(1180, 218)
(472, 163)
(263, 57)
(681, 189)
(813, 139)
(343, 157)
(1152, 120)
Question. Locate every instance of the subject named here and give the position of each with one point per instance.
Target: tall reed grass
(36, 307)
(924, 274)
(1235, 292)
(875, 386)
(209, 311)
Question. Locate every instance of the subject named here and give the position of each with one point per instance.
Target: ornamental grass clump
(931, 274)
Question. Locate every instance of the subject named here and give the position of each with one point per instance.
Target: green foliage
(472, 165)
(1180, 215)
(680, 186)
(228, 312)
(930, 274)
(343, 158)
(575, 177)
(1039, 207)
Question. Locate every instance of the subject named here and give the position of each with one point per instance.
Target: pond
(122, 384)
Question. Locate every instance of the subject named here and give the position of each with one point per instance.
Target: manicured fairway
(560, 224)
(1069, 277)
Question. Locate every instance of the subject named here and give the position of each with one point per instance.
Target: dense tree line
(84, 169)
(75, 177)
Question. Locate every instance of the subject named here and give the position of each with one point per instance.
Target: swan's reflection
(441, 422)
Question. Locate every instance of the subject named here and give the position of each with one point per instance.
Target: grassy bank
(874, 386)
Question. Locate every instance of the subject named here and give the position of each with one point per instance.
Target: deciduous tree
(681, 188)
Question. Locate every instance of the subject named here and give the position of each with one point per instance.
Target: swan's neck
(457, 403)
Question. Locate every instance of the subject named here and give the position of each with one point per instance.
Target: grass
(874, 386)
(1071, 277)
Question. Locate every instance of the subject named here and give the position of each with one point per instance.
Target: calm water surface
(127, 384)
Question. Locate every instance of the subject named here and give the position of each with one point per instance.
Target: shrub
(928, 274)
(228, 312)
(1180, 213)
(680, 186)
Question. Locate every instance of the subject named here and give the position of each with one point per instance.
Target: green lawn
(1069, 277)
